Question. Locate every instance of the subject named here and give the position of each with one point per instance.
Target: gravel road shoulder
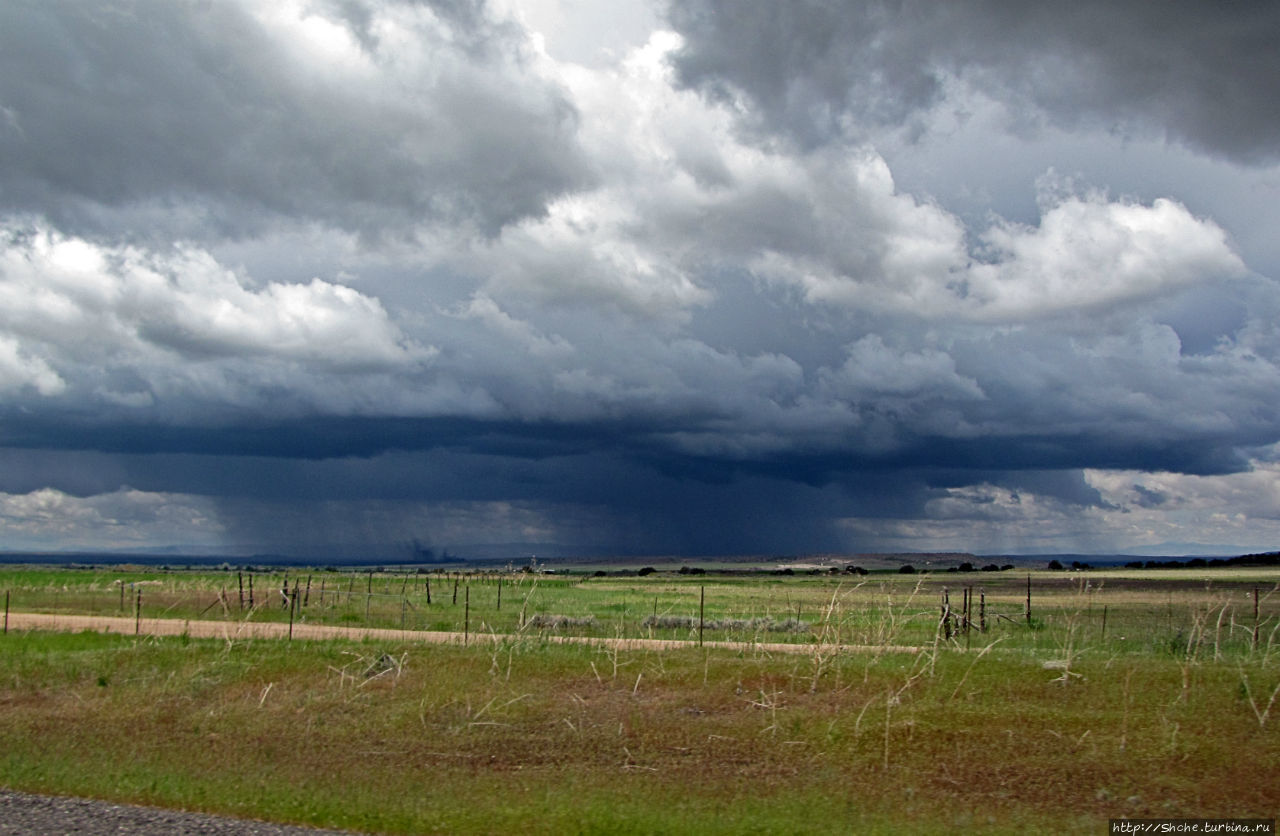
(25, 813)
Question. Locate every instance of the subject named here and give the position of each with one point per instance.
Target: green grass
(1055, 727)
(1141, 608)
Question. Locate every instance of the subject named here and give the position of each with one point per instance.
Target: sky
(356, 277)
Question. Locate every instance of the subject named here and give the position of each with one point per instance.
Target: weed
(1262, 714)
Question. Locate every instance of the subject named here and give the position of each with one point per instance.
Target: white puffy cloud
(1090, 253)
(1086, 253)
(68, 304)
(874, 370)
(583, 255)
(484, 310)
(18, 370)
(598, 248)
(121, 519)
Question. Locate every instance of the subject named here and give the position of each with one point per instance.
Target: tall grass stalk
(1265, 712)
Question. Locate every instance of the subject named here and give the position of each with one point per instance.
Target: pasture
(922, 703)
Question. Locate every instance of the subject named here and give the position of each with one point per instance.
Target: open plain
(521, 702)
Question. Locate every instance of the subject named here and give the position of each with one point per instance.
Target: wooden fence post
(466, 618)
(702, 612)
(1028, 600)
(946, 613)
(6, 612)
(137, 613)
(944, 618)
(968, 600)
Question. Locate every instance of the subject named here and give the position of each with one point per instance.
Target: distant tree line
(1076, 565)
(1265, 559)
(908, 569)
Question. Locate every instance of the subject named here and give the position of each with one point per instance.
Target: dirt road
(238, 630)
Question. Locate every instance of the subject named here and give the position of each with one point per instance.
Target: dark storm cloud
(455, 498)
(1203, 74)
(364, 439)
(239, 271)
(215, 119)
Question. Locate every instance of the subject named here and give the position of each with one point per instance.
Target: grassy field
(1148, 693)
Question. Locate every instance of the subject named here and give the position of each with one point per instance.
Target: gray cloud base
(1200, 74)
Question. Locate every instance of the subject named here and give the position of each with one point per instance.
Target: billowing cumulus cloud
(338, 277)
(1094, 253)
(373, 117)
(128, 326)
(18, 370)
(186, 303)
